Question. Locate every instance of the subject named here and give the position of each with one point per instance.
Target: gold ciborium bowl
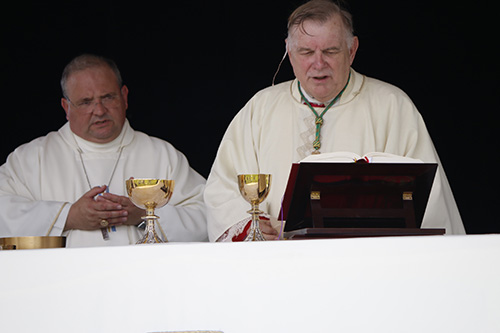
(32, 242)
(148, 194)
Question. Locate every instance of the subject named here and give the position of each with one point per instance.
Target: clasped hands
(97, 205)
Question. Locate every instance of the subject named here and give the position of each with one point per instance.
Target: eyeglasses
(87, 105)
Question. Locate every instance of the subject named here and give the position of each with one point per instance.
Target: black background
(190, 67)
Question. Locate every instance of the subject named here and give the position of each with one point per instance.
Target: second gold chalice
(254, 188)
(149, 194)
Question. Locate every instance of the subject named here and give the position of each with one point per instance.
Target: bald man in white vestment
(355, 113)
(72, 182)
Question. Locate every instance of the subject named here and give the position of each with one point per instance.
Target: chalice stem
(254, 233)
(150, 235)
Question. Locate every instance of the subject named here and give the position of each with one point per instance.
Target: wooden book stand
(334, 200)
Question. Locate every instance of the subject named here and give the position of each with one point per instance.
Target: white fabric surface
(406, 284)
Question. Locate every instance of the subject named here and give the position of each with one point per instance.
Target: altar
(383, 284)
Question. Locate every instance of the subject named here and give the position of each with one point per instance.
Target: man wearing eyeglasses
(72, 182)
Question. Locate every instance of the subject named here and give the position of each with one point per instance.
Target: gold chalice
(254, 188)
(149, 194)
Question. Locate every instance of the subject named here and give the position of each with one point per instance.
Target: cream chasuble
(41, 176)
(275, 129)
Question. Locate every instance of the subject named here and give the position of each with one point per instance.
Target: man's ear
(354, 48)
(124, 92)
(65, 106)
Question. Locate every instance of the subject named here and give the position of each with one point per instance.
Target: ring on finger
(104, 223)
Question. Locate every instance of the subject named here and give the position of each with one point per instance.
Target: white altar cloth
(405, 284)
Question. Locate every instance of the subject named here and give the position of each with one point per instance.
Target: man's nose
(319, 61)
(99, 107)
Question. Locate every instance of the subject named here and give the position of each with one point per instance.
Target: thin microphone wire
(279, 66)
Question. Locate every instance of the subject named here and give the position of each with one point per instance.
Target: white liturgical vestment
(41, 179)
(275, 129)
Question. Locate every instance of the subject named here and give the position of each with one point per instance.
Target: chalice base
(254, 233)
(150, 235)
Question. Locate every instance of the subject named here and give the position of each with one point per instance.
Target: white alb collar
(313, 100)
(113, 146)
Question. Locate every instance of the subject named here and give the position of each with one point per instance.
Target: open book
(348, 157)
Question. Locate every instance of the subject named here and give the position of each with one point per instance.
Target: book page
(349, 157)
(338, 156)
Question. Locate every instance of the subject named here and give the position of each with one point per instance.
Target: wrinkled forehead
(331, 31)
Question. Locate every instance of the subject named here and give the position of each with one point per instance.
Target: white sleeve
(183, 218)
(236, 154)
(26, 216)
